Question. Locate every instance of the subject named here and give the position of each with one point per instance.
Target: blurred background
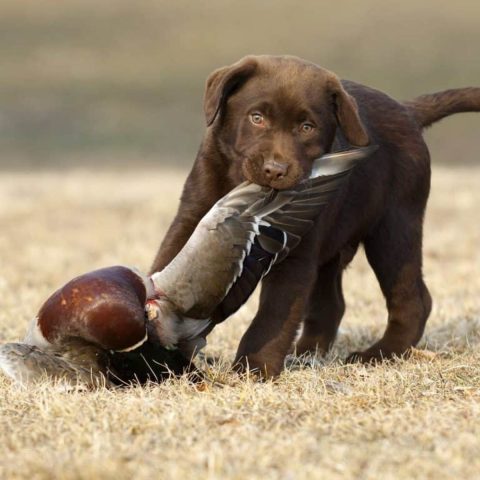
(120, 83)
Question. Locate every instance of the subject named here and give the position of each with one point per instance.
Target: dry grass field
(412, 419)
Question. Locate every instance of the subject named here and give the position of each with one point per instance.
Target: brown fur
(382, 206)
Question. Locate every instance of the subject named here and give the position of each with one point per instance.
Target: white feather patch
(35, 336)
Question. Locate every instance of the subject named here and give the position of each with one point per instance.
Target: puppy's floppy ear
(222, 82)
(346, 111)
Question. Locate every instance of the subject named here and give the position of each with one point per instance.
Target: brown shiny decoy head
(105, 307)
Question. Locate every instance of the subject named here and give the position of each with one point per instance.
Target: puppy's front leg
(283, 300)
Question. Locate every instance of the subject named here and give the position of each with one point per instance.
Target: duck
(115, 325)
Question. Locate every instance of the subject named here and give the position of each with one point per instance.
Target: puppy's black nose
(274, 170)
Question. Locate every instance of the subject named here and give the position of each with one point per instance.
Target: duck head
(105, 307)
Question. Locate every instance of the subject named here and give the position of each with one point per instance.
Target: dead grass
(412, 419)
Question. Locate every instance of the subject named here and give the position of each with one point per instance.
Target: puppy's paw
(375, 355)
(250, 367)
(318, 346)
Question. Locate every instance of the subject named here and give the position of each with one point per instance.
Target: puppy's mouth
(277, 175)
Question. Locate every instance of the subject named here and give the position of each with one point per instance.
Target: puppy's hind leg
(325, 310)
(326, 305)
(394, 251)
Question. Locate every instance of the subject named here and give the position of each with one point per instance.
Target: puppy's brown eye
(307, 127)
(257, 119)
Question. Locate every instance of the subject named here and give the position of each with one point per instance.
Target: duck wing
(75, 363)
(243, 235)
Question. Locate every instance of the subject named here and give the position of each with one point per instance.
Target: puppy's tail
(432, 107)
(27, 364)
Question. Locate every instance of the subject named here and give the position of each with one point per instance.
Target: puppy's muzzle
(274, 171)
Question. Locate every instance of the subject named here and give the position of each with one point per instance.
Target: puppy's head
(272, 116)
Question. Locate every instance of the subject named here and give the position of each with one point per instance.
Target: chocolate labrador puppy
(268, 118)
